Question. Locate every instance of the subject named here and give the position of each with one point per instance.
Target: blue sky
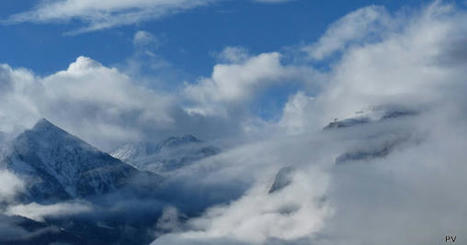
(189, 38)
(187, 41)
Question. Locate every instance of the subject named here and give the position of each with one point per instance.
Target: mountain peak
(58, 164)
(177, 141)
(170, 154)
(45, 125)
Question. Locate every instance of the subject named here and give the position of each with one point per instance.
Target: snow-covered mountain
(56, 165)
(168, 155)
(382, 142)
(283, 179)
(378, 114)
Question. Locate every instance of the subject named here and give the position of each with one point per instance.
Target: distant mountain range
(381, 144)
(129, 187)
(165, 156)
(56, 167)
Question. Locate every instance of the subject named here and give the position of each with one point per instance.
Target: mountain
(56, 165)
(25, 231)
(379, 114)
(283, 179)
(376, 150)
(379, 145)
(166, 156)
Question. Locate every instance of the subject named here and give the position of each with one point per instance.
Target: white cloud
(404, 197)
(352, 28)
(106, 107)
(10, 186)
(295, 119)
(38, 212)
(144, 38)
(295, 211)
(402, 68)
(97, 103)
(258, 215)
(16, 106)
(107, 13)
(236, 83)
(234, 55)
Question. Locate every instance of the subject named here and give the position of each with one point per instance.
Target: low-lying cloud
(405, 160)
(38, 212)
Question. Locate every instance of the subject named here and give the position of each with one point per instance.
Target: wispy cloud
(361, 24)
(38, 212)
(107, 13)
(104, 14)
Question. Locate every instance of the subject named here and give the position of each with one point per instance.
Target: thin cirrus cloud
(107, 13)
(352, 28)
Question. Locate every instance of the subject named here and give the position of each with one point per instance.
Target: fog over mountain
(368, 149)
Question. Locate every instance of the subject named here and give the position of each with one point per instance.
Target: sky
(168, 47)
(192, 35)
(264, 78)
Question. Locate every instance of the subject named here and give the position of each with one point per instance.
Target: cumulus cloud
(88, 99)
(402, 67)
(17, 86)
(295, 113)
(107, 107)
(238, 81)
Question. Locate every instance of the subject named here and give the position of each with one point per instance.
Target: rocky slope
(166, 156)
(56, 165)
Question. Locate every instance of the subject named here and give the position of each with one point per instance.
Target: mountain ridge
(57, 165)
(167, 155)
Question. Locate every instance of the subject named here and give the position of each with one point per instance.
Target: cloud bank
(89, 99)
(404, 87)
